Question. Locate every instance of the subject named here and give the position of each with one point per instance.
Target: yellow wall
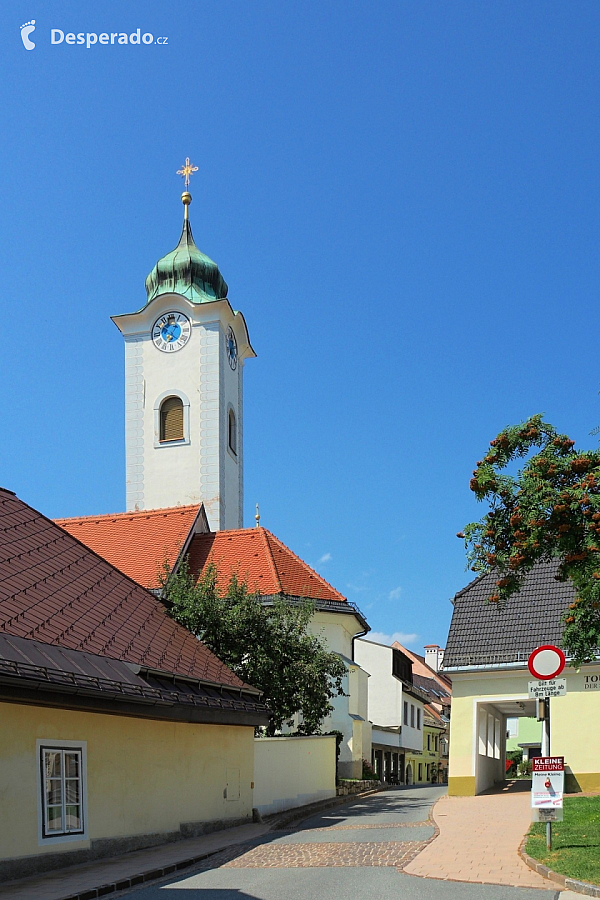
(575, 723)
(143, 776)
(292, 771)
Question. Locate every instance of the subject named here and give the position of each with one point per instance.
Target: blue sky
(403, 199)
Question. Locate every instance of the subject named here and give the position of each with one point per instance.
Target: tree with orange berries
(549, 510)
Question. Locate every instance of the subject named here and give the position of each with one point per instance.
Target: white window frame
(158, 444)
(63, 837)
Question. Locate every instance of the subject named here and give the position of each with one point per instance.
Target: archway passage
(493, 734)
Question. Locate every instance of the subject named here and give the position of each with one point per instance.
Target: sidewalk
(103, 876)
(479, 841)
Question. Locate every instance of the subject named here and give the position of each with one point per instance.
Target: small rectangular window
(62, 791)
(418, 718)
(412, 715)
(420, 771)
(405, 713)
(429, 742)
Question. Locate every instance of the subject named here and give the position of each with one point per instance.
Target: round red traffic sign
(546, 662)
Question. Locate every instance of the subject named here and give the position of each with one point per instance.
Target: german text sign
(547, 787)
(554, 687)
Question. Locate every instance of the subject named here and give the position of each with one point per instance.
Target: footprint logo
(26, 30)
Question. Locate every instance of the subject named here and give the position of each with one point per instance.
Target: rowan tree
(266, 644)
(549, 510)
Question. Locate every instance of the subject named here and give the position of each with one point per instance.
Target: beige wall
(336, 629)
(293, 771)
(143, 776)
(575, 726)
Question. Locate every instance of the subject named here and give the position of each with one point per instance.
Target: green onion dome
(187, 271)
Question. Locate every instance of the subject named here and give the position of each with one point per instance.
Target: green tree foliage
(549, 509)
(267, 645)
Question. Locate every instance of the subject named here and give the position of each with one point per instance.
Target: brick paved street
(364, 845)
(479, 840)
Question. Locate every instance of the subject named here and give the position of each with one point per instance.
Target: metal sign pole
(546, 752)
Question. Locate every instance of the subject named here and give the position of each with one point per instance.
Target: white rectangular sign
(547, 783)
(553, 687)
(542, 814)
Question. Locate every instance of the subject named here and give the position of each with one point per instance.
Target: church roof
(262, 561)
(55, 590)
(186, 271)
(137, 543)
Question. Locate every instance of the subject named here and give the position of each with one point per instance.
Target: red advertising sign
(548, 764)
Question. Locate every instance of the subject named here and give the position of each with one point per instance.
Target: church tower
(184, 360)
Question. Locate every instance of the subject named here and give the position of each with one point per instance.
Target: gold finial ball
(186, 198)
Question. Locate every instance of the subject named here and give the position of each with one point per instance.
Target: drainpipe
(359, 635)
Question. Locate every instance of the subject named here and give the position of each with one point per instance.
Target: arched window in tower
(232, 432)
(171, 420)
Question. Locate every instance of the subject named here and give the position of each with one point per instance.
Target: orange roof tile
(258, 558)
(136, 543)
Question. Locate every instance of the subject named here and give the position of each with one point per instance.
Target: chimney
(434, 656)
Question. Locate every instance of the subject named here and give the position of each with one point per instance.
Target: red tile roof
(55, 590)
(137, 543)
(258, 558)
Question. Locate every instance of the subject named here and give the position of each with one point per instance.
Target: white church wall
(199, 468)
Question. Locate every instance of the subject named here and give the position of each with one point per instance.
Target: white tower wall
(202, 467)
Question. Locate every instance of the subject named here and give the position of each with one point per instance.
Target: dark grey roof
(76, 679)
(433, 687)
(484, 633)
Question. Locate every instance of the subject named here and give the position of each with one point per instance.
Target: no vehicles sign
(547, 788)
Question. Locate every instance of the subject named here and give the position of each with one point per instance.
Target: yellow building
(486, 657)
(118, 728)
(434, 730)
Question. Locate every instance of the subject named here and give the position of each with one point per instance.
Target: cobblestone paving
(268, 854)
(289, 856)
(360, 827)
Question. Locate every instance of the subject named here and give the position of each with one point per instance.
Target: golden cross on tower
(187, 170)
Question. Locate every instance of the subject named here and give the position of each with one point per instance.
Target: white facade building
(396, 710)
(184, 358)
(350, 710)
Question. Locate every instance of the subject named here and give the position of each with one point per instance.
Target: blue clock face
(231, 345)
(171, 332)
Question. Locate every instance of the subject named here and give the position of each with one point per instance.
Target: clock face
(171, 332)
(231, 345)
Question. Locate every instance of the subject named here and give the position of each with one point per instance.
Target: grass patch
(575, 842)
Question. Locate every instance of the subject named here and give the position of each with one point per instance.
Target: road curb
(436, 831)
(571, 884)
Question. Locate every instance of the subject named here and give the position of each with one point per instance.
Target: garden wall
(293, 771)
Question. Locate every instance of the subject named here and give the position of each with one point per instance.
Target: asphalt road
(349, 851)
